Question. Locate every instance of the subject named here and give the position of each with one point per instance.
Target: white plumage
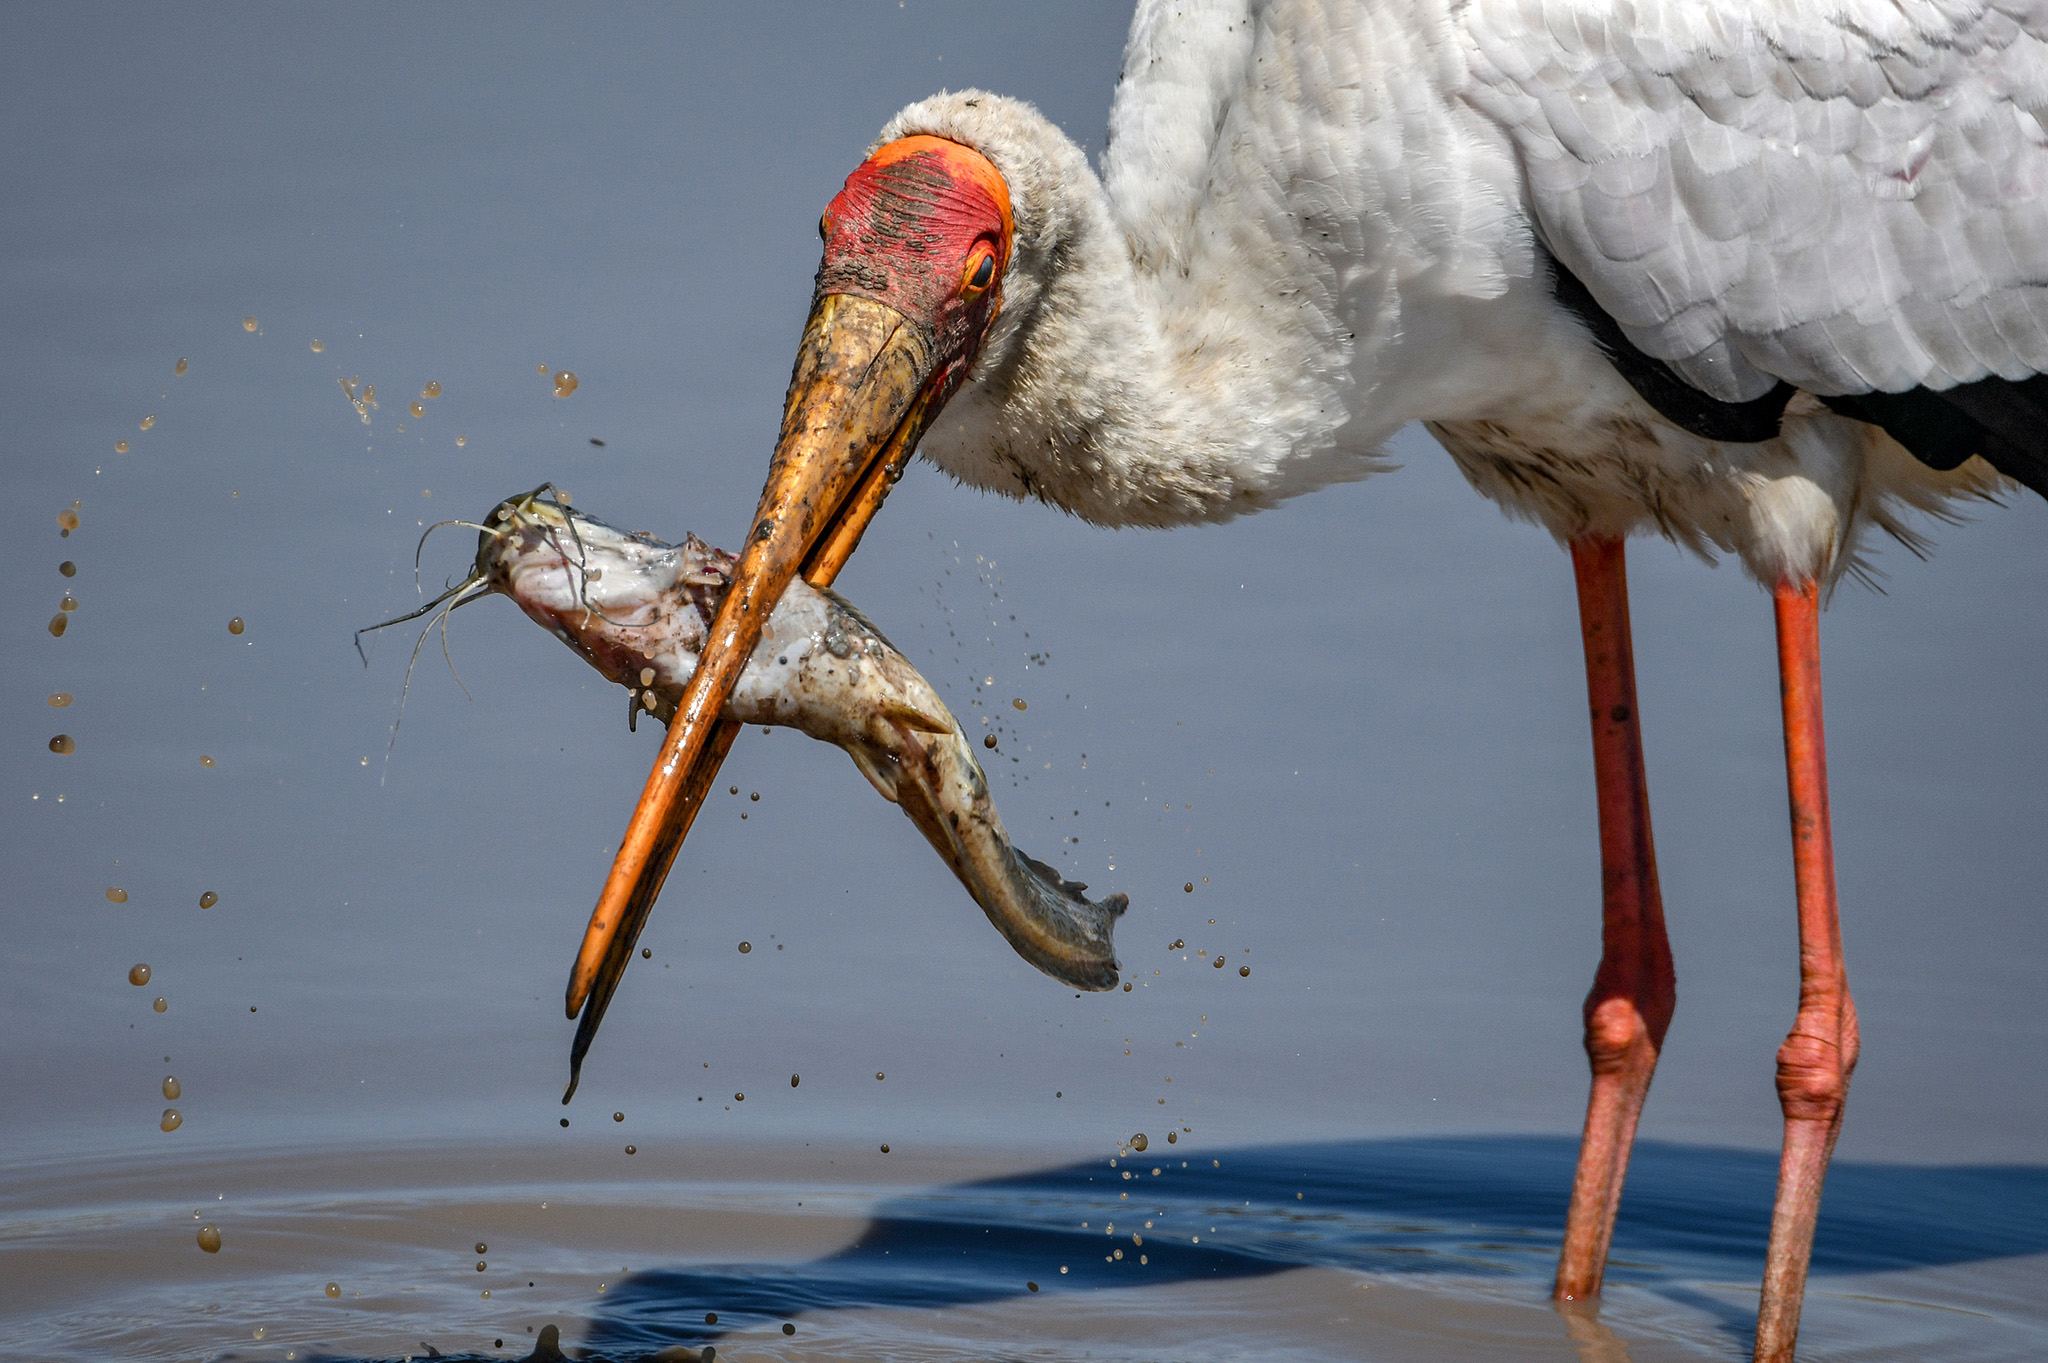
(1319, 220)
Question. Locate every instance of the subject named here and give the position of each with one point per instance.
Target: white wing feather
(1849, 194)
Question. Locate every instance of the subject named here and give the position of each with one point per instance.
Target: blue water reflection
(1488, 1206)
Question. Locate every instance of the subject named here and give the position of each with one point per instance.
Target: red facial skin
(911, 230)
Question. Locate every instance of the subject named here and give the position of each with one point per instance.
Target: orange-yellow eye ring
(979, 272)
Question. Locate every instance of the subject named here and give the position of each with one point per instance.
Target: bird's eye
(980, 272)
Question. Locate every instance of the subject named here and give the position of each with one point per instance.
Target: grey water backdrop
(1354, 726)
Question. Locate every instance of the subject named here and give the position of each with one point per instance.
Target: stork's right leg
(1633, 992)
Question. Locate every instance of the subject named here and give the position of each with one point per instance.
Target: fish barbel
(638, 610)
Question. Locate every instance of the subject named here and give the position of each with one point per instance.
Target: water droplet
(1189, 887)
(249, 324)
(540, 369)
(161, 1005)
(646, 953)
(120, 447)
(1178, 943)
(235, 625)
(481, 1265)
(334, 1290)
(617, 1117)
(205, 761)
(565, 1121)
(1218, 963)
(67, 519)
(116, 895)
(317, 346)
(878, 1074)
(1172, 1136)
(746, 947)
(1018, 704)
(1127, 988)
(565, 384)
(885, 1149)
(739, 1097)
(417, 409)
(60, 699)
(69, 603)
(482, 1248)
(138, 975)
(461, 440)
(208, 899)
(209, 1238)
(1138, 1142)
(632, 1149)
(1244, 970)
(1033, 1286)
(794, 1080)
(432, 390)
(755, 797)
(711, 1318)
(149, 421)
(788, 1329)
(58, 623)
(181, 366)
(68, 568)
(647, 679)
(172, 1121)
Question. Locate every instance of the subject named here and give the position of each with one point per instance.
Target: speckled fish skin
(629, 603)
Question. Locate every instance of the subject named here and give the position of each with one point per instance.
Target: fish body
(639, 610)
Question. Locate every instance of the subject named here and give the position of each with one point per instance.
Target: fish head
(624, 600)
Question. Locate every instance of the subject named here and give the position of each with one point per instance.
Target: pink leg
(1817, 1059)
(1634, 991)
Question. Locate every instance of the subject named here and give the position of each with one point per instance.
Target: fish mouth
(569, 570)
(868, 380)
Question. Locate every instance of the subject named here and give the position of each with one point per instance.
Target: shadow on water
(1478, 1206)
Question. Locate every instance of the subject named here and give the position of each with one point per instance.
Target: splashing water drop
(180, 367)
(69, 603)
(746, 947)
(565, 384)
(116, 895)
(248, 324)
(68, 568)
(138, 975)
(235, 625)
(149, 421)
(60, 699)
(208, 899)
(172, 1121)
(58, 624)
(461, 440)
(317, 346)
(418, 409)
(172, 1088)
(205, 761)
(209, 1238)
(432, 390)
(161, 1005)
(1138, 1142)
(67, 519)
(1018, 704)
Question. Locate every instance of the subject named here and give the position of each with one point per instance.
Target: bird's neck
(1135, 391)
(1218, 323)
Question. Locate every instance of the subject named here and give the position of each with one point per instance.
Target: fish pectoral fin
(923, 721)
(880, 771)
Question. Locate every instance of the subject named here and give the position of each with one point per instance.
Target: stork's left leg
(1816, 1060)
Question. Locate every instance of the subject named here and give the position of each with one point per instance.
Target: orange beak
(863, 391)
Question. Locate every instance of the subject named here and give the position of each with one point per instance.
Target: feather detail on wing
(1848, 197)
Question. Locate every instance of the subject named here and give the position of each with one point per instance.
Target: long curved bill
(858, 401)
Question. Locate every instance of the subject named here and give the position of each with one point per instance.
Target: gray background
(1365, 707)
